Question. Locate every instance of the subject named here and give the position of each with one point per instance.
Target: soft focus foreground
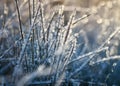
(59, 43)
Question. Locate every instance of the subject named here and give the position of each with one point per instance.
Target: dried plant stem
(110, 37)
(26, 40)
(69, 26)
(5, 14)
(8, 22)
(91, 56)
(48, 29)
(88, 54)
(42, 22)
(32, 43)
(29, 4)
(20, 23)
(33, 8)
(79, 19)
(107, 59)
(5, 52)
(68, 58)
(83, 65)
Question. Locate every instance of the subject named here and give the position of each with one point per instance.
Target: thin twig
(88, 54)
(11, 47)
(20, 23)
(91, 56)
(29, 4)
(48, 29)
(110, 37)
(26, 40)
(42, 22)
(14, 14)
(69, 26)
(81, 18)
(107, 59)
(68, 58)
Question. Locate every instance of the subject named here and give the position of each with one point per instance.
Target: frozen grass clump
(60, 46)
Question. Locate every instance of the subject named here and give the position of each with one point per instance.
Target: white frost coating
(29, 77)
(59, 51)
